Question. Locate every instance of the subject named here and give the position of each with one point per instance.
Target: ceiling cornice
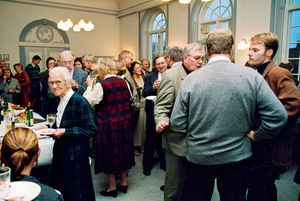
(140, 7)
(65, 6)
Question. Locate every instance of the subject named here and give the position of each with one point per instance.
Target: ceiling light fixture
(184, 1)
(81, 24)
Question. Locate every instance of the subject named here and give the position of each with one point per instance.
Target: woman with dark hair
(24, 82)
(20, 151)
(78, 63)
(49, 101)
(140, 129)
(9, 86)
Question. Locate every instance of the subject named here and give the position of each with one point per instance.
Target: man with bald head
(78, 75)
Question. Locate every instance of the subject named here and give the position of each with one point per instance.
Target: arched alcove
(42, 37)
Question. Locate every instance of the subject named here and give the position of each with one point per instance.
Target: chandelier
(77, 25)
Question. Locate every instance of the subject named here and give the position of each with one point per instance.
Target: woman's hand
(89, 81)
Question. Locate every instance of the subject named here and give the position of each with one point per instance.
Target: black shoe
(121, 188)
(147, 172)
(113, 193)
(162, 188)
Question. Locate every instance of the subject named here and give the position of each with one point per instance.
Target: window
(293, 49)
(157, 32)
(216, 14)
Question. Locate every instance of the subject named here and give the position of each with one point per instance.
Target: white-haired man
(78, 75)
(173, 143)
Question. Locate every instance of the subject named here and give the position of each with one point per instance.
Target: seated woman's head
(20, 150)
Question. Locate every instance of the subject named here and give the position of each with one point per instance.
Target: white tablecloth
(45, 143)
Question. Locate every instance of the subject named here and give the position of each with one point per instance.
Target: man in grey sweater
(217, 106)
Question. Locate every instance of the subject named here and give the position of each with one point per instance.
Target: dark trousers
(152, 144)
(262, 174)
(35, 98)
(231, 181)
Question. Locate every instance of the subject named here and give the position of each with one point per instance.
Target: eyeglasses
(57, 82)
(203, 59)
(67, 62)
(162, 63)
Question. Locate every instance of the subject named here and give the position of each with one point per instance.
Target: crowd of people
(201, 116)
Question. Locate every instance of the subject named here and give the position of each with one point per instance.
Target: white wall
(178, 24)
(253, 16)
(102, 41)
(129, 34)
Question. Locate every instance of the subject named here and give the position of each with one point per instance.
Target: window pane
(159, 22)
(224, 25)
(154, 45)
(214, 4)
(295, 34)
(207, 14)
(164, 42)
(294, 50)
(295, 18)
(296, 1)
(212, 27)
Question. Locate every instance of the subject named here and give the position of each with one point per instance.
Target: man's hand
(155, 84)
(161, 126)
(74, 84)
(250, 135)
(58, 133)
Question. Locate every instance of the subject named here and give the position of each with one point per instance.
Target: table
(45, 143)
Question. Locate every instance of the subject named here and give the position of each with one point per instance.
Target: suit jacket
(149, 91)
(78, 120)
(79, 76)
(282, 84)
(4, 87)
(172, 141)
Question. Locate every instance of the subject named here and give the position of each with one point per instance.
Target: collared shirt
(160, 75)
(72, 72)
(218, 58)
(62, 105)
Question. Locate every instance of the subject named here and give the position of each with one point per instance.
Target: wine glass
(4, 181)
(51, 119)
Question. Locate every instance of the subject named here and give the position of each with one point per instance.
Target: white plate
(24, 189)
(150, 97)
(47, 131)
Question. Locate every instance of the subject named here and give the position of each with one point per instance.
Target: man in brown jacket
(276, 154)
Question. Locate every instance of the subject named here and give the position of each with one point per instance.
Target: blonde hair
(219, 41)
(19, 145)
(121, 67)
(268, 39)
(106, 66)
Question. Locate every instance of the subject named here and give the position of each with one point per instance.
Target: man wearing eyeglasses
(78, 75)
(173, 140)
(217, 105)
(153, 141)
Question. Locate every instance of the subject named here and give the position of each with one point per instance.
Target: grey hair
(123, 54)
(64, 72)
(90, 57)
(192, 46)
(65, 52)
(175, 53)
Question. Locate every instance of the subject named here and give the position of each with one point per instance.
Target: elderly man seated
(75, 125)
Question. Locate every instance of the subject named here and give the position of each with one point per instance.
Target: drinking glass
(51, 119)
(4, 181)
